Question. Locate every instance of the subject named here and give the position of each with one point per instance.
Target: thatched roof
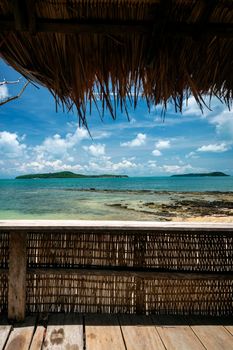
(165, 49)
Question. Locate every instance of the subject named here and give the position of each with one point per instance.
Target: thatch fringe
(159, 64)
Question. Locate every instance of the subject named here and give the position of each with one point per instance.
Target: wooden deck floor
(117, 332)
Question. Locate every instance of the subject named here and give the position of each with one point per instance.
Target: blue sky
(35, 138)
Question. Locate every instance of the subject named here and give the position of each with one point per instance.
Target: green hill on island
(215, 173)
(66, 175)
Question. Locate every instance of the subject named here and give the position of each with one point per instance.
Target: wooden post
(17, 276)
(139, 262)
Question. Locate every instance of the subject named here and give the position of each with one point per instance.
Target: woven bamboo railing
(115, 267)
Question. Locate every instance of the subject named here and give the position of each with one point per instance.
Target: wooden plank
(64, 332)
(131, 272)
(17, 276)
(73, 328)
(51, 225)
(103, 333)
(214, 337)
(54, 337)
(4, 334)
(139, 333)
(229, 329)
(21, 335)
(175, 335)
(38, 338)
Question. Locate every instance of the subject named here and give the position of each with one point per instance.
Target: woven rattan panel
(111, 294)
(4, 257)
(3, 292)
(200, 297)
(167, 250)
(4, 250)
(173, 251)
(80, 294)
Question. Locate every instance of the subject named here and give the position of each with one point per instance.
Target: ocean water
(99, 199)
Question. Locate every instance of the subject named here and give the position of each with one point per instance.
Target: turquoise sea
(102, 198)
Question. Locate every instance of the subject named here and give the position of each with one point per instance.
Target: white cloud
(218, 115)
(11, 145)
(46, 166)
(224, 124)
(80, 134)
(221, 147)
(156, 153)
(3, 92)
(55, 153)
(170, 168)
(106, 165)
(176, 169)
(162, 144)
(123, 165)
(98, 135)
(95, 150)
(138, 141)
(95, 135)
(192, 155)
(192, 108)
(209, 108)
(56, 146)
(152, 164)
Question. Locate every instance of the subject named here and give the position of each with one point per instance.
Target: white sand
(205, 219)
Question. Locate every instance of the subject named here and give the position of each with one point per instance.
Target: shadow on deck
(117, 332)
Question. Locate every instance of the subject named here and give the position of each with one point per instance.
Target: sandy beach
(217, 219)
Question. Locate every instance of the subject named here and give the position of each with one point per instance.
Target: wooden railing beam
(108, 227)
(127, 272)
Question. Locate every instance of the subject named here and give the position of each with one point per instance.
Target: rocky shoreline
(188, 205)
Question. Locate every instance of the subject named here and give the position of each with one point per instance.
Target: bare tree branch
(5, 82)
(16, 96)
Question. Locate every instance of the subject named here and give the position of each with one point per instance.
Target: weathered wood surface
(73, 329)
(175, 335)
(103, 333)
(4, 334)
(64, 332)
(139, 333)
(21, 336)
(54, 338)
(17, 276)
(214, 337)
(50, 225)
(229, 329)
(131, 332)
(38, 338)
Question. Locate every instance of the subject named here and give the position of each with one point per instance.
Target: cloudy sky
(35, 138)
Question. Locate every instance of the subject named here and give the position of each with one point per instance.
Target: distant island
(66, 175)
(215, 173)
